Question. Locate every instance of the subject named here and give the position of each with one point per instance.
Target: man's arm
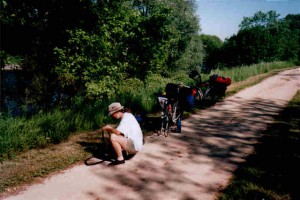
(112, 130)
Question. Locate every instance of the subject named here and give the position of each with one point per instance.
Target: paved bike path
(191, 165)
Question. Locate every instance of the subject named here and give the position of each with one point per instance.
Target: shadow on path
(183, 166)
(274, 167)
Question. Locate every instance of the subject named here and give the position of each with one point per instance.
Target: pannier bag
(223, 80)
(184, 94)
(220, 79)
(172, 90)
(162, 101)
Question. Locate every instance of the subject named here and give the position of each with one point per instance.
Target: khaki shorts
(130, 147)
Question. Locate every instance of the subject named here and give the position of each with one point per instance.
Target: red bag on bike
(223, 80)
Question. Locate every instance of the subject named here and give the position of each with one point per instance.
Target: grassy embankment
(26, 167)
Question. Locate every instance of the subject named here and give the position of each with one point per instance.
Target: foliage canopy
(261, 38)
(88, 48)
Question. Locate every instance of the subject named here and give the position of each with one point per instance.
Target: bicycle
(102, 151)
(170, 116)
(205, 91)
(213, 89)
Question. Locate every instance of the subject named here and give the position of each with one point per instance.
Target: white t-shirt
(131, 129)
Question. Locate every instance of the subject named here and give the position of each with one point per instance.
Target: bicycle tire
(170, 117)
(164, 130)
(178, 120)
(176, 116)
(198, 97)
(177, 112)
(210, 94)
(174, 110)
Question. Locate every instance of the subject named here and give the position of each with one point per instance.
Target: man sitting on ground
(127, 136)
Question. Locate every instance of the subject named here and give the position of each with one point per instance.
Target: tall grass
(241, 73)
(21, 134)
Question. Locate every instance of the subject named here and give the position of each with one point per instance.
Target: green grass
(272, 171)
(21, 134)
(11, 60)
(242, 73)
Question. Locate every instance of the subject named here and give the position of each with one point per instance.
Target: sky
(223, 17)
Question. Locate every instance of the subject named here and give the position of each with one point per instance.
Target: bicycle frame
(170, 114)
(201, 93)
(210, 92)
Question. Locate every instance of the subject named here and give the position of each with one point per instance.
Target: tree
(169, 27)
(263, 37)
(87, 48)
(93, 63)
(212, 45)
(33, 29)
(260, 19)
(131, 42)
(292, 38)
(192, 58)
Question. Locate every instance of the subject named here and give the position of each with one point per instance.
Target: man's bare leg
(119, 143)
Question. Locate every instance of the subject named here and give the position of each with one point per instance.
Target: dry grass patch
(38, 163)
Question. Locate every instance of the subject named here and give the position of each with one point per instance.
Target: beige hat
(114, 107)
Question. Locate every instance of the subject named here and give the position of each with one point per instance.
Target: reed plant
(19, 134)
(241, 73)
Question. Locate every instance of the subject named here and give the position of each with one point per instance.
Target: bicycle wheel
(198, 97)
(176, 116)
(178, 125)
(210, 94)
(165, 120)
(164, 126)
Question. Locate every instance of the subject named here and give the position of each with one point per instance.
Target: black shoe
(125, 155)
(129, 156)
(117, 162)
